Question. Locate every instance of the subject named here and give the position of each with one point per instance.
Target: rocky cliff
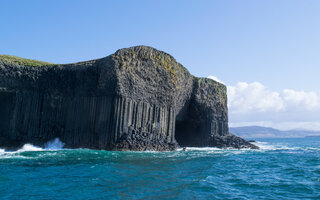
(138, 98)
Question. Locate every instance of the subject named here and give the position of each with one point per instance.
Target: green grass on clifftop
(23, 61)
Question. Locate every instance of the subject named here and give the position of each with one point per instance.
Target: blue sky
(270, 42)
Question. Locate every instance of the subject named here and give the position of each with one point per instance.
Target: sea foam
(268, 146)
(199, 149)
(30, 147)
(55, 144)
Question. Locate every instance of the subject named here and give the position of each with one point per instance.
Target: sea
(281, 169)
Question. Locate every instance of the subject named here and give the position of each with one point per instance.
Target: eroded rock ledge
(138, 98)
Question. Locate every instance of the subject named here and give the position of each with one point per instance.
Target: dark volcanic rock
(138, 98)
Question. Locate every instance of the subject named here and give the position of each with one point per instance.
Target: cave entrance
(185, 132)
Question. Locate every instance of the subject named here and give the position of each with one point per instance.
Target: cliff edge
(138, 98)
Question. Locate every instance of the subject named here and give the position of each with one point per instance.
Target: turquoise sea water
(282, 169)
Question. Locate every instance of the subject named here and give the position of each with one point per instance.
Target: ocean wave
(198, 149)
(268, 146)
(264, 146)
(29, 147)
(196, 152)
(57, 145)
(279, 146)
(52, 145)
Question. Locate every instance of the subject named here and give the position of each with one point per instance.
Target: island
(138, 99)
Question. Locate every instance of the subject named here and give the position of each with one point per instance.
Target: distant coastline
(267, 132)
(311, 136)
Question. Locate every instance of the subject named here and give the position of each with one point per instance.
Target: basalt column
(142, 126)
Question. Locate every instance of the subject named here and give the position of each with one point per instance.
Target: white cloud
(215, 79)
(255, 104)
(253, 97)
(305, 100)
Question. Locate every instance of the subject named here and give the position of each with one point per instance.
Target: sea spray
(55, 144)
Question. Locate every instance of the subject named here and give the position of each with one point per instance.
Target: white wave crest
(52, 145)
(199, 149)
(279, 146)
(264, 146)
(55, 144)
(29, 147)
(268, 146)
(16, 154)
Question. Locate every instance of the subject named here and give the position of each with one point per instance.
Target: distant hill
(266, 132)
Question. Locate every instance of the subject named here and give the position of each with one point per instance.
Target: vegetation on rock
(23, 61)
